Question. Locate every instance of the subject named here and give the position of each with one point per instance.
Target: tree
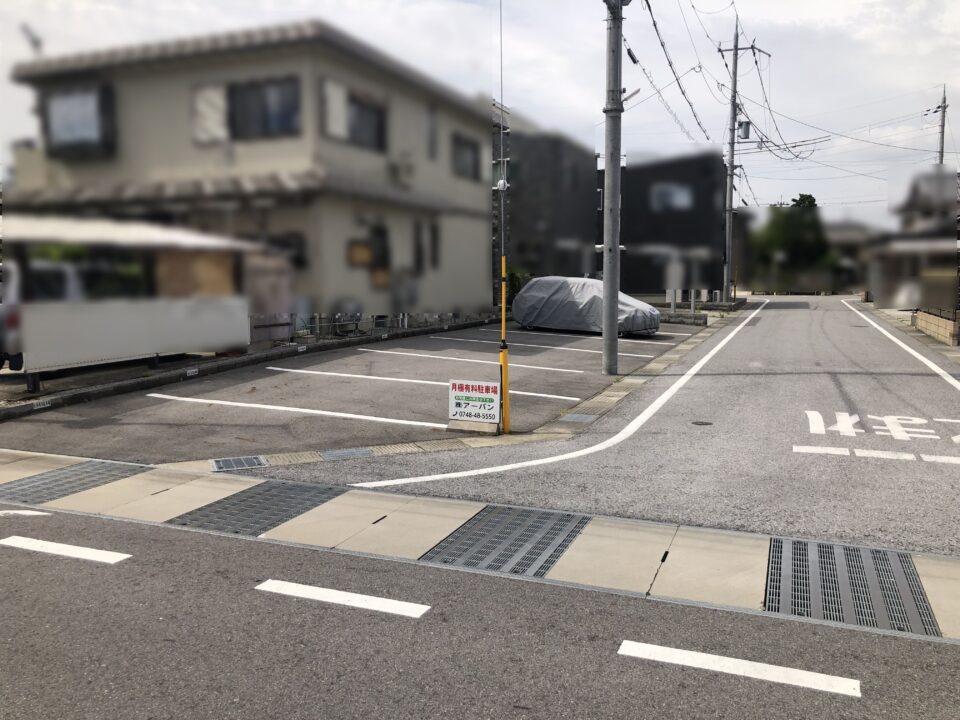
(804, 201)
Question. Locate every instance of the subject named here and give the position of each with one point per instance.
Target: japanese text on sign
(474, 400)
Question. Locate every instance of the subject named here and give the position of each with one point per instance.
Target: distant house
(849, 241)
(373, 178)
(917, 267)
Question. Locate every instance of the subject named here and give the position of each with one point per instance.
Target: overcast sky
(866, 68)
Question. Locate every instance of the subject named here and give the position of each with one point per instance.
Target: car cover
(563, 303)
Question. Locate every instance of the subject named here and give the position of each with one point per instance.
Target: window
(432, 133)
(79, 122)
(669, 196)
(367, 125)
(210, 114)
(434, 245)
(466, 158)
(264, 109)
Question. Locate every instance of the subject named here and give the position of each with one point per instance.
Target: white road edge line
(469, 360)
(929, 363)
(27, 513)
(885, 454)
(821, 450)
(409, 380)
(72, 551)
(610, 442)
(744, 668)
(339, 597)
(547, 347)
(586, 337)
(305, 411)
(949, 459)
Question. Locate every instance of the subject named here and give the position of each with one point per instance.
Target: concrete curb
(213, 367)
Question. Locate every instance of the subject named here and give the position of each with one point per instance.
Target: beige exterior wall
(155, 143)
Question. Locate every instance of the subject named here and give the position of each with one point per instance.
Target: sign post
(474, 405)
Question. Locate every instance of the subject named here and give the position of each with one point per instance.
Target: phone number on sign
(467, 415)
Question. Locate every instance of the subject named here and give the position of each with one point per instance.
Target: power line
(697, 53)
(832, 132)
(666, 54)
(711, 12)
(663, 100)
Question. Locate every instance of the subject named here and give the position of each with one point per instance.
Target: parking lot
(393, 391)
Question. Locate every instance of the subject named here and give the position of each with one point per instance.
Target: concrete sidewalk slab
(715, 566)
(612, 553)
(103, 498)
(9, 456)
(941, 581)
(184, 498)
(337, 520)
(34, 466)
(414, 528)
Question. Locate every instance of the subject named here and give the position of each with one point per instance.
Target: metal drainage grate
(239, 463)
(55, 484)
(258, 509)
(516, 541)
(848, 584)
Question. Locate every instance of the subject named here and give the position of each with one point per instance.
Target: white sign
(478, 401)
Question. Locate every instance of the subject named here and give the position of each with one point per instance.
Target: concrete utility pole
(943, 124)
(728, 244)
(613, 109)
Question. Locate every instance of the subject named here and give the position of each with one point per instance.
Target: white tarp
(562, 303)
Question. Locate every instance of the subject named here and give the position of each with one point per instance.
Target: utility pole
(613, 109)
(728, 244)
(943, 124)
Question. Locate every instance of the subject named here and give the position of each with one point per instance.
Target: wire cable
(666, 54)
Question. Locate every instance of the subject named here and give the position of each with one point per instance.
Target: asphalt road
(381, 380)
(178, 631)
(739, 470)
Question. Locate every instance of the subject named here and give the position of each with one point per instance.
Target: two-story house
(374, 178)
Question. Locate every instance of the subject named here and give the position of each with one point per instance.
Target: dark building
(672, 225)
(553, 204)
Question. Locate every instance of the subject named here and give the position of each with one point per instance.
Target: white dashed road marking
(885, 454)
(950, 459)
(71, 551)
(27, 513)
(409, 380)
(821, 450)
(338, 597)
(547, 347)
(743, 668)
(305, 411)
(469, 360)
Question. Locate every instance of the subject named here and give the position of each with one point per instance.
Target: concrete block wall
(942, 329)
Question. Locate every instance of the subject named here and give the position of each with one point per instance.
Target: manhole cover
(847, 584)
(515, 541)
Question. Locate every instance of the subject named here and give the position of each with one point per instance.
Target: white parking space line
(743, 668)
(626, 432)
(305, 411)
(25, 513)
(410, 380)
(548, 347)
(582, 337)
(338, 597)
(468, 360)
(930, 364)
(949, 459)
(71, 551)
(885, 454)
(821, 450)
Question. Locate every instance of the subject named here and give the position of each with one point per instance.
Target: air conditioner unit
(401, 170)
